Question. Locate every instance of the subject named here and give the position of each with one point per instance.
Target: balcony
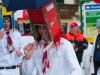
(67, 12)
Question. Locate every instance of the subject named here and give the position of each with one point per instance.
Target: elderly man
(78, 41)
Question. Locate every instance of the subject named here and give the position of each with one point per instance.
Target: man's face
(6, 25)
(43, 31)
(98, 30)
(74, 29)
(71, 29)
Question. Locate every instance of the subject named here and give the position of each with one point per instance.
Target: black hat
(6, 18)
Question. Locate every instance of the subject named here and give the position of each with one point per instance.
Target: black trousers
(96, 67)
(79, 57)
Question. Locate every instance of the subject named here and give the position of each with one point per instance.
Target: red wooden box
(48, 15)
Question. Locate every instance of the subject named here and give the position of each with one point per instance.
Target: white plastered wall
(69, 1)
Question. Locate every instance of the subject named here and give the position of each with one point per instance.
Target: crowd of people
(63, 57)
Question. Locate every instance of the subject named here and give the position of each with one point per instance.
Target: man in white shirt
(11, 48)
(60, 58)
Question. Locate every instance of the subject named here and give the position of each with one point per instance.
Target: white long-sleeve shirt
(27, 40)
(7, 59)
(62, 61)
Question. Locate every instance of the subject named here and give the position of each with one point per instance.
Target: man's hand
(19, 53)
(28, 51)
(76, 49)
(20, 64)
(1, 33)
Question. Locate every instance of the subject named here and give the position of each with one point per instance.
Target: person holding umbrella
(60, 62)
(51, 54)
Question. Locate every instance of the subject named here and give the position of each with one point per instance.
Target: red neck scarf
(9, 41)
(45, 61)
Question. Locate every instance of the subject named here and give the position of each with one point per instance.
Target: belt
(11, 67)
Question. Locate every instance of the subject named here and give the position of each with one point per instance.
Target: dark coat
(97, 49)
(80, 43)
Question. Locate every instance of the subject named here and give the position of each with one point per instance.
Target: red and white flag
(21, 14)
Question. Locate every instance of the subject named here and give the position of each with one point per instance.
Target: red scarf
(45, 60)
(9, 41)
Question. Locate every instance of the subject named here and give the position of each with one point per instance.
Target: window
(60, 1)
(77, 1)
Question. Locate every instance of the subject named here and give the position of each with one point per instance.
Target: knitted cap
(6, 18)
